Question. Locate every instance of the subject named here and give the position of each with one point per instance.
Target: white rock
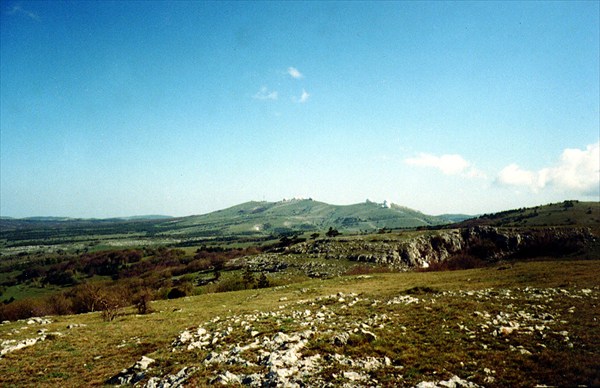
(144, 363)
(368, 335)
(227, 378)
(185, 336)
(354, 376)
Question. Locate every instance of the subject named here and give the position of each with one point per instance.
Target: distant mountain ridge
(253, 219)
(263, 217)
(67, 219)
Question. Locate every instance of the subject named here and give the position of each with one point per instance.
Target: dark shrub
(248, 278)
(465, 262)
(263, 281)
(59, 304)
(142, 301)
(22, 309)
(85, 298)
(456, 262)
(176, 293)
(230, 284)
(59, 277)
(111, 301)
(483, 249)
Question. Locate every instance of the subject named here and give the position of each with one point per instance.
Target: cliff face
(484, 243)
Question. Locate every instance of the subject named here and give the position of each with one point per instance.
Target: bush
(263, 281)
(85, 298)
(332, 232)
(23, 309)
(230, 284)
(59, 304)
(176, 293)
(483, 249)
(142, 301)
(456, 262)
(248, 278)
(111, 301)
(465, 262)
(364, 269)
(59, 277)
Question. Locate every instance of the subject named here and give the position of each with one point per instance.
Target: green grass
(567, 213)
(432, 340)
(24, 291)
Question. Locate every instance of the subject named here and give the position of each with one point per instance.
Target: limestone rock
(132, 374)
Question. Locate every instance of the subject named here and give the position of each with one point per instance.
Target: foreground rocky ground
(527, 325)
(320, 342)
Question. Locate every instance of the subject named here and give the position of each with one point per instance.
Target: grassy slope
(556, 214)
(271, 217)
(251, 219)
(433, 346)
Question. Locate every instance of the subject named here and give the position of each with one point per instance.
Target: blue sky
(179, 108)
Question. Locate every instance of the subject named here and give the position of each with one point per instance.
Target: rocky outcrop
(133, 374)
(485, 243)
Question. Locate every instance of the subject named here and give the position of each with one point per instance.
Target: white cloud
(513, 175)
(449, 164)
(294, 73)
(265, 94)
(577, 171)
(304, 97)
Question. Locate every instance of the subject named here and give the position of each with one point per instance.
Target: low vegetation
(487, 304)
(518, 325)
(566, 213)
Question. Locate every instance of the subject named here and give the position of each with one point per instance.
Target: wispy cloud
(449, 164)
(577, 172)
(18, 10)
(265, 94)
(294, 73)
(303, 97)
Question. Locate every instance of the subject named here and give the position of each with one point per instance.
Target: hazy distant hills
(256, 218)
(29, 223)
(274, 218)
(297, 215)
(304, 215)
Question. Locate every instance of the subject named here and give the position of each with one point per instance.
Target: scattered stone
(132, 374)
(171, 381)
(354, 376)
(38, 321)
(74, 325)
(226, 379)
(454, 382)
(279, 359)
(368, 335)
(341, 339)
(9, 346)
